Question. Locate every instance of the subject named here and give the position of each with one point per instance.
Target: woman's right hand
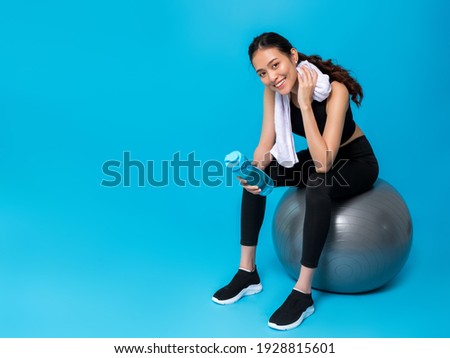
(253, 189)
(261, 158)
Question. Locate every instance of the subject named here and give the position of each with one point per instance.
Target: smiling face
(276, 69)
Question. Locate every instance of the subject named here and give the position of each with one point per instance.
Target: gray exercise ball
(368, 242)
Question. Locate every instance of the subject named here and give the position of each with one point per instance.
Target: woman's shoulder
(339, 87)
(268, 92)
(339, 92)
(269, 96)
(339, 97)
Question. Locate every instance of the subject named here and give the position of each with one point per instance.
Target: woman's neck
(294, 90)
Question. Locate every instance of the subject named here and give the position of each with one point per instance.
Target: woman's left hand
(307, 80)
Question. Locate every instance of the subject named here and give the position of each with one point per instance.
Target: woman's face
(276, 70)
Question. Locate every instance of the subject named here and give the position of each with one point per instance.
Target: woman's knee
(317, 186)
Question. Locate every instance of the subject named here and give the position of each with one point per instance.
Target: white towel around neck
(284, 149)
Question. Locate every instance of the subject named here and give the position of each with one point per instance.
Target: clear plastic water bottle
(240, 165)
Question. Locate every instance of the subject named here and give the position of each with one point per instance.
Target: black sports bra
(320, 113)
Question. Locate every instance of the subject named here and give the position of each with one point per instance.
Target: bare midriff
(356, 134)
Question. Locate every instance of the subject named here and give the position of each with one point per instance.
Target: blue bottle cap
(233, 159)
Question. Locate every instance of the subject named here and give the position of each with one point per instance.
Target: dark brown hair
(336, 72)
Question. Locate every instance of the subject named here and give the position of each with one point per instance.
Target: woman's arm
(262, 155)
(323, 148)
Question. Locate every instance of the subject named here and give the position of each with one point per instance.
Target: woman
(339, 162)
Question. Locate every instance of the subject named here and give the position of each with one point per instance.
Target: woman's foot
(244, 283)
(293, 311)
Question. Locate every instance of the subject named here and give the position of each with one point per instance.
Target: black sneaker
(244, 283)
(293, 311)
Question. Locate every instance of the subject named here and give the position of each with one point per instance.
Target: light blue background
(83, 81)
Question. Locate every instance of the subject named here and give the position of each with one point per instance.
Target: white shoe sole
(250, 290)
(308, 312)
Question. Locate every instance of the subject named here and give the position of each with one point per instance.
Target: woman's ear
(294, 56)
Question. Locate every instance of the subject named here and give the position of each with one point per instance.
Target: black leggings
(354, 171)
